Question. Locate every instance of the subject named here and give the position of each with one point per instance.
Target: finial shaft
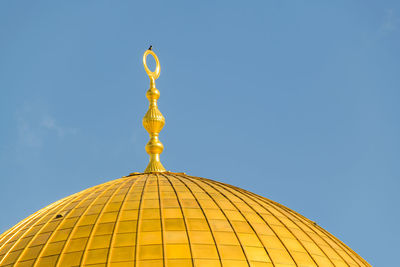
(153, 120)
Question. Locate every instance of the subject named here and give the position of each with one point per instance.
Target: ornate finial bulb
(153, 121)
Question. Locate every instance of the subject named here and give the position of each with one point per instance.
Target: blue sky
(294, 100)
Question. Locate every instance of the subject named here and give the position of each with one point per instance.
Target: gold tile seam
(95, 224)
(19, 225)
(263, 207)
(291, 215)
(27, 220)
(324, 237)
(243, 215)
(344, 246)
(193, 180)
(89, 192)
(138, 220)
(303, 222)
(252, 228)
(204, 214)
(12, 229)
(301, 218)
(113, 236)
(289, 218)
(51, 207)
(161, 222)
(183, 216)
(23, 223)
(63, 208)
(103, 189)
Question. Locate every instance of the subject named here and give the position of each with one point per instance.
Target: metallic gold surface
(170, 219)
(153, 121)
(159, 218)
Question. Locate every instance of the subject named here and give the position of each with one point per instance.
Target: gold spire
(153, 121)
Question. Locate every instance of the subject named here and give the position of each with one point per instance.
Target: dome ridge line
(91, 191)
(176, 176)
(62, 208)
(182, 220)
(105, 187)
(294, 213)
(224, 213)
(102, 211)
(302, 218)
(31, 226)
(276, 217)
(210, 182)
(256, 200)
(163, 243)
(183, 216)
(117, 222)
(136, 252)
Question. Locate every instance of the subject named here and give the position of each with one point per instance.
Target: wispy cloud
(27, 134)
(50, 124)
(390, 21)
(34, 127)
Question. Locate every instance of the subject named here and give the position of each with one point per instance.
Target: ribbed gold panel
(170, 219)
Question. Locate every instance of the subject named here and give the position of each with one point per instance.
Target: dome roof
(170, 219)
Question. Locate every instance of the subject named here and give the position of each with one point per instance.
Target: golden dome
(170, 219)
(160, 218)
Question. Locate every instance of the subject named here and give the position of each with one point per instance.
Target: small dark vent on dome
(61, 214)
